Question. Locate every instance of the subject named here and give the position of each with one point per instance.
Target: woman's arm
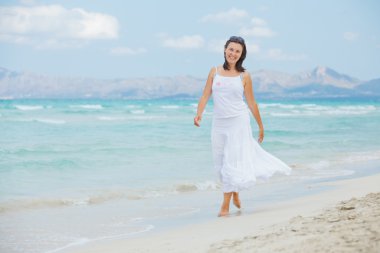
(252, 105)
(204, 98)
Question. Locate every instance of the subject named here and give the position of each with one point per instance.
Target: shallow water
(73, 171)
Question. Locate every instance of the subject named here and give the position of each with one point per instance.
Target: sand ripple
(350, 226)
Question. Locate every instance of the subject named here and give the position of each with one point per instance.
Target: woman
(238, 158)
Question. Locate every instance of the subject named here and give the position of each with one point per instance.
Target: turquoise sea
(77, 171)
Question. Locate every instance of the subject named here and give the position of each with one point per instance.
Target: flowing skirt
(238, 158)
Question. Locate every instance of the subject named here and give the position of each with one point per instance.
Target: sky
(132, 39)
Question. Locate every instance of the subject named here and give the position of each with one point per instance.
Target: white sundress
(238, 158)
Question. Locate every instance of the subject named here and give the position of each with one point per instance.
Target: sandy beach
(343, 218)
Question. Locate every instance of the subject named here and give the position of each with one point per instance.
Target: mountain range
(321, 82)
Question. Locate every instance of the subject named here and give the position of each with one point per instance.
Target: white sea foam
(108, 118)
(264, 105)
(292, 114)
(78, 242)
(25, 204)
(170, 106)
(201, 186)
(105, 196)
(88, 106)
(51, 121)
(175, 189)
(42, 120)
(358, 107)
(142, 230)
(7, 98)
(284, 110)
(283, 106)
(83, 241)
(346, 158)
(317, 110)
(318, 170)
(351, 110)
(29, 107)
(360, 156)
(320, 165)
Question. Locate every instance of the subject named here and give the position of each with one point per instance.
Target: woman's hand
(261, 135)
(197, 120)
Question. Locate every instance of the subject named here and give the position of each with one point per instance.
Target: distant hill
(370, 88)
(319, 82)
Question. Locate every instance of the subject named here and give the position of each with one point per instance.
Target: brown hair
(239, 64)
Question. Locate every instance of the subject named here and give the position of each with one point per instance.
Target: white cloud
(247, 25)
(27, 2)
(127, 51)
(258, 21)
(44, 24)
(184, 42)
(350, 36)
(216, 46)
(257, 28)
(231, 16)
(57, 44)
(278, 55)
(257, 31)
(252, 48)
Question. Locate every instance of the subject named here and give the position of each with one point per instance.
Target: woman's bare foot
(223, 213)
(224, 210)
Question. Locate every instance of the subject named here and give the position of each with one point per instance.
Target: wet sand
(343, 218)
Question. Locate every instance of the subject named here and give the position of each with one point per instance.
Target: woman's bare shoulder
(213, 70)
(246, 73)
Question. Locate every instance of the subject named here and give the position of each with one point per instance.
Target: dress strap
(242, 76)
(216, 71)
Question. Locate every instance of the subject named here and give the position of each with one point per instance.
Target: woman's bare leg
(225, 209)
(236, 199)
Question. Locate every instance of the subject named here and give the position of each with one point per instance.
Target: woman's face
(233, 52)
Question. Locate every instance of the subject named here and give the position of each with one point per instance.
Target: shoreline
(203, 236)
